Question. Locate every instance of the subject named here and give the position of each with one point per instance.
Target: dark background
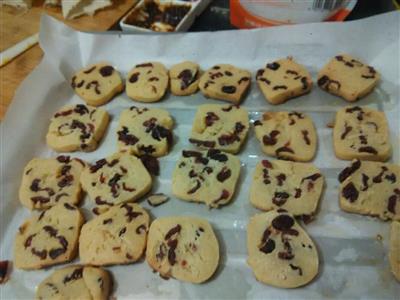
(216, 15)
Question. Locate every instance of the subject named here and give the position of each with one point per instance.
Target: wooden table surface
(17, 24)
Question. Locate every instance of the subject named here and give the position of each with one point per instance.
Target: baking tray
(353, 260)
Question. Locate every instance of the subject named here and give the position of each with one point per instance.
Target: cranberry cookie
(361, 132)
(348, 77)
(287, 135)
(97, 84)
(184, 248)
(49, 181)
(147, 82)
(296, 187)
(77, 127)
(145, 131)
(394, 249)
(225, 82)
(76, 282)
(49, 238)
(280, 252)
(118, 178)
(371, 188)
(185, 78)
(222, 127)
(117, 236)
(209, 177)
(282, 80)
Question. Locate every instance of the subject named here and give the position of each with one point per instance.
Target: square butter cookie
(282, 80)
(287, 135)
(209, 177)
(348, 77)
(145, 131)
(222, 127)
(361, 132)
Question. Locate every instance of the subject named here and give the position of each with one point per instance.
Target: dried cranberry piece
(280, 87)
(76, 274)
(127, 138)
(63, 159)
(349, 170)
(268, 247)
(267, 164)
(88, 71)
(323, 80)
(305, 137)
(171, 251)
(199, 143)
(134, 77)
(350, 192)
(280, 198)
(106, 71)
(273, 66)
(271, 139)
(172, 231)
(211, 118)
(145, 65)
(224, 174)
(282, 222)
(187, 78)
(151, 164)
(217, 155)
(229, 89)
(98, 165)
(368, 149)
(347, 129)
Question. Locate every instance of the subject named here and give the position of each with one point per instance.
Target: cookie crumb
(330, 124)
(157, 199)
(379, 238)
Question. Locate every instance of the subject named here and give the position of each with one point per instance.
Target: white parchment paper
(354, 263)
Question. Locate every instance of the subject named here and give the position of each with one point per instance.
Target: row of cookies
(278, 81)
(185, 248)
(359, 132)
(211, 177)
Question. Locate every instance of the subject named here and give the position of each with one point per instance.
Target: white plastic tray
(354, 264)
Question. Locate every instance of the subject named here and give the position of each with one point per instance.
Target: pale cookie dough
(77, 127)
(118, 178)
(97, 84)
(145, 131)
(76, 282)
(147, 82)
(280, 252)
(209, 177)
(361, 132)
(296, 187)
(348, 77)
(371, 188)
(185, 78)
(287, 135)
(394, 249)
(222, 127)
(49, 238)
(225, 82)
(282, 80)
(184, 248)
(49, 181)
(117, 236)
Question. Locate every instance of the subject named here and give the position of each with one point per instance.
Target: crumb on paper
(379, 238)
(157, 199)
(330, 124)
